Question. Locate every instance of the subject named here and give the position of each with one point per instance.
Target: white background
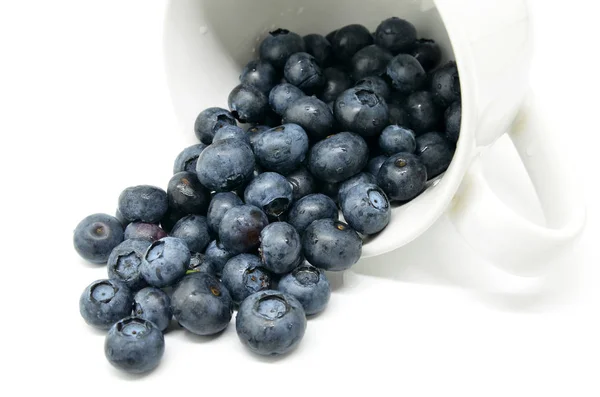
(85, 112)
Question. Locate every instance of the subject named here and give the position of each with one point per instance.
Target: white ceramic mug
(206, 43)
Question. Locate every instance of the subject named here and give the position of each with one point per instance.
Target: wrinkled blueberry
(302, 70)
(219, 205)
(209, 121)
(165, 262)
(124, 263)
(396, 35)
(445, 84)
(104, 302)
(428, 53)
(96, 235)
(348, 40)
(402, 177)
(366, 208)
(193, 230)
(311, 208)
(153, 304)
(244, 275)
(282, 149)
(331, 245)
(312, 114)
(336, 82)
(395, 139)
(260, 74)
(240, 228)
(271, 192)
(361, 111)
(279, 45)
(370, 61)
(225, 165)
(338, 157)
(280, 247)
(186, 160)
(320, 48)
(186, 194)
(452, 118)
(248, 104)
(282, 96)
(303, 183)
(143, 203)
(309, 285)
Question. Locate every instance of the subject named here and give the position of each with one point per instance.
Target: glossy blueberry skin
(331, 245)
(225, 165)
(423, 114)
(320, 48)
(200, 263)
(375, 164)
(186, 194)
(218, 255)
(311, 208)
(143, 203)
(362, 111)
(282, 96)
(144, 231)
(219, 205)
(193, 230)
(370, 61)
(209, 121)
(270, 192)
(445, 85)
(186, 160)
(153, 304)
(231, 132)
(96, 236)
(452, 119)
(375, 84)
(398, 115)
(396, 35)
(435, 151)
(201, 304)
(124, 263)
(165, 262)
(279, 45)
(270, 322)
(366, 208)
(338, 157)
(104, 302)
(395, 139)
(309, 285)
(281, 149)
(348, 40)
(358, 179)
(336, 82)
(248, 104)
(280, 247)
(427, 52)
(303, 183)
(134, 345)
(260, 74)
(402, 177)
(405, 74)
(303, 71)
(313, 115)
(240, 228)
(244, 275)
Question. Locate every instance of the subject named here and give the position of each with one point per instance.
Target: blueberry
(280, 247)
(320, 48)
(153, 304)
(248, 104)
(375, 164)
(331, 245)
(165, 262)
(312, 114)
(260, 74)
(209, 121)
(336, 82)
(124, 263)
(445, 85)
(375, 84)
(348, 40)
(200, 263)
(311, 208)
(398, 115)
(338, 157)
(219, 205)
(396, 35)
(302, 70)
(435, 151)
(309, 285)
(217, 254)
(104, 302)
(255, 131)
(272, 119)
(186, 194)
(95, 237)
(330, 189)
(270, 322)
(279, 45)
(225, 165)
(240, 228)
(358, 179)
(143, 203)
(370, 61)
(402, 177)
(170, 219)
(144, 231)
(282, 96)
(120, 218)
(282, 149)
(428, 53)
(231, 132)
(405, 74)
(329, 36)
(366, 208)
(201, 304)
(452, 118)
(243, 276)
(134, 345)
(193, 230)
(271, 192)
(395, 139)
(423, 113)
(186, 160)
(362, 111)
(302, 182)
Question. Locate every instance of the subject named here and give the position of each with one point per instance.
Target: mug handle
(508, 240)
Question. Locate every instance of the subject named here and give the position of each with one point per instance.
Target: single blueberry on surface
(279, 45)
(370, 61)
(193, 230)
(452, 118)
(153, 304)
(445, 84)
(260, 74)
(244, 275)
(271, 192)
(338, 157)
(348, 40)
(225, 165)
(219, 205)
(309, 285)
(405, 74)
(423, 114)
(143, 203)
(282, 96)
(279, 313)
(186, 160)
(280, 247)
(218, 255)
(281, 149)
(358, 179)
(200, 263)
(336, 82)
(362, 111)
(402, 177)
(303, 71)
(366, 208)
(427, 52)
(435, 151)
(144, 231)
(209, 121)
(239, 230)
(331, 245)
(396, 139)
(95, 237)
(186, 194)
(248, 104)
(303, 183)
(375, 164)
(375, 84)
(124, 263)
(165, 262)
(320, 48)
(311, 208)
(396, 35)
(312, 114)
(231, 132)
(104, 302)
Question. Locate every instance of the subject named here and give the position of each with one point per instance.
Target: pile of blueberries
(250, 219)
